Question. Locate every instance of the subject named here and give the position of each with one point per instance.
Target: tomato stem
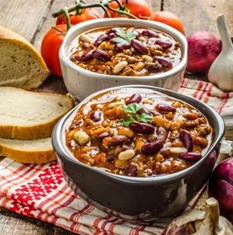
(103, 4)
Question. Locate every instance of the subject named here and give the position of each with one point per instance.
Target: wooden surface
(33, 18)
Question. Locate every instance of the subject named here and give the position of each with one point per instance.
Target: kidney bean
(84, 57)
(119, 48)
(152, 147)
(131, 169)
(139, 46)
(163, 61)
(164, 108)
(143, 128)
(135, 98)
(163, 44)
(149, 33)
(154, 67)
(103, 135)
(111, 31)
(191, 156)
(101, 55)
(96, 116)
(115, 140)
(100, 39)
(186, 139)
(162, 134)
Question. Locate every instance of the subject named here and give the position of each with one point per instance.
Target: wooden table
(33, 18)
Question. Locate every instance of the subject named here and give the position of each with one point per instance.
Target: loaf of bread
(30, 115)
(27, 151)
(21, 65)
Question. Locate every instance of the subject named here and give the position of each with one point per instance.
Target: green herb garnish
(124, 37)
(132, 110)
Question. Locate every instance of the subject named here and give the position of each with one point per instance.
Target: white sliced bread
(28, 151)
(30, 115)
(21, 65)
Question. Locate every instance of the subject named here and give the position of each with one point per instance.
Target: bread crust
(32, 157)
(37, 131)
(7, 35)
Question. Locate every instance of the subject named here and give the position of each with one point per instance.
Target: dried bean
(164, 108)
(100, 39)
(119, 48)
(152, 147)
(186, 139)
(100, 55)
(96, 116)
(135, 98)
(166, 63)
(84, 57)
(147, 111)
(131, 170)
(81, 137)
(163, 44)
(191, 156)
(143, 128)
(139, 46)
(76, 124)
(154, 67)
(83, 37)
(126, 155)
(119, 67)
(115, 140)
(162, 134)
(103, 135)
(149, 33)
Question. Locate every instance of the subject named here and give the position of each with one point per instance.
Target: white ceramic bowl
(81, 82)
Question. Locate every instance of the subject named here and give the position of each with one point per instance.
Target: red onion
(220, 186)
(203, 48)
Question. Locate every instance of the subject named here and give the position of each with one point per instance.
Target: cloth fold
(39, 191)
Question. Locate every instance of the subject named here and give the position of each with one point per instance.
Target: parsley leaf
(145, 118)
(133, 108)
(128, 121)
(124, 37)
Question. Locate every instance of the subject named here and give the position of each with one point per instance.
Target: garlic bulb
(197, 222)
(221, 71)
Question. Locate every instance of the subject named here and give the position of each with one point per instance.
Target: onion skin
(203, 48)
(220, 186)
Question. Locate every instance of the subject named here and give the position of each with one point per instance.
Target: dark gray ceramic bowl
(134, 197)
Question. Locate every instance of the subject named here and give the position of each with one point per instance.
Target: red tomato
(138, 8)
(50, 47)
(169, 18)
(86, 14)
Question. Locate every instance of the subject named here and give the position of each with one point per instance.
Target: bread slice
(21, 65)
(28, 151)
(30, 115)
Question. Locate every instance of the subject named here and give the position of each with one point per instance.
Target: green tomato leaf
(145, 118)
(132, 108)
(128, 121)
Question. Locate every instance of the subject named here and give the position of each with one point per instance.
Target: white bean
(126, 155)
(81, 137)
(83, 37)
(178, 149)
(147, 58)
(119, 67)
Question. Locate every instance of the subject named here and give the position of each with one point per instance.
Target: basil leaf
(128, 121)
(133, 108)
(145, 118)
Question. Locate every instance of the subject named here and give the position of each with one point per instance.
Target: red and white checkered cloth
(39, 191)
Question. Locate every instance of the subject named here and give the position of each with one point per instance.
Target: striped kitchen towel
(39, 191)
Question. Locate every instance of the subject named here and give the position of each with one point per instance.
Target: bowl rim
(88, 25)
(64, 153)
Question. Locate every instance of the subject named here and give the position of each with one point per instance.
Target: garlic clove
(221, 71)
